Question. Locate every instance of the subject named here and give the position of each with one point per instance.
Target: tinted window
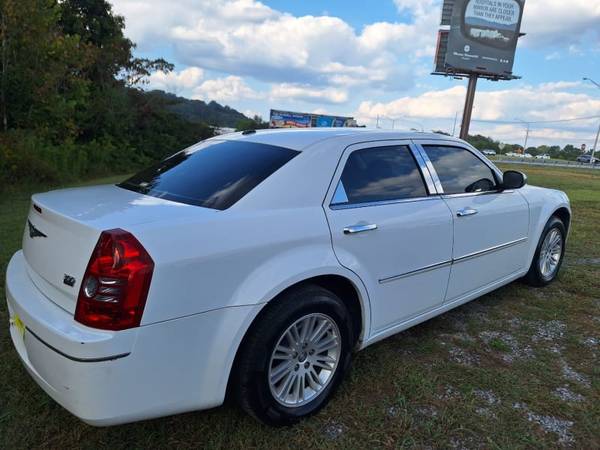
(460, 171)
(211, 174)
(380, 174)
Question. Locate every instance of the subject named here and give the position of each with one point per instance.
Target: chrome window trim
(428, 166)
(421, 144)
(453, 261)
(414, 151)
(430, 180)
(476, 194)
(381, 203)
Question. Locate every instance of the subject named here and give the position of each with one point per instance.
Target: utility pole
(454, 126)
(597, 134)
(595, 147)
(469, 101)
(526, 134)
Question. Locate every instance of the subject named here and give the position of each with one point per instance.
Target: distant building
(289, 119)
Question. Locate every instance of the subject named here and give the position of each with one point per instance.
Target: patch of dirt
(572, 375)
(463, 357)
(591, 342)
(393, 411)
(465, 444)
(450, 393)
(486, 412)
(460, 336)
(427, 411)
(487, 396)
(584, 262)
(567, 395)
(551, 424)
(334, 430)
(515, 323)
(516, 351)
(550, 331)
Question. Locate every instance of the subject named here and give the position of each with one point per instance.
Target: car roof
(303, 139)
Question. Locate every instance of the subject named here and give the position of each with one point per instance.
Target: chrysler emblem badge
(34, 232)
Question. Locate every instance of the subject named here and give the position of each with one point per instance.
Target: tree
(484, 143)
(256, 123)
(32, 44)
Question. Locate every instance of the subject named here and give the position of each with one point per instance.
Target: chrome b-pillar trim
(427, 167)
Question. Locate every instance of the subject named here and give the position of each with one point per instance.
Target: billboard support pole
(470, 100)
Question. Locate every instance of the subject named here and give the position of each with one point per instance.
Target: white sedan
(255, 264)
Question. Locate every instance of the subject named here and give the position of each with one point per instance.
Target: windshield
(214, 174)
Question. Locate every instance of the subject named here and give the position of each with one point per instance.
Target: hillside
(211, 113)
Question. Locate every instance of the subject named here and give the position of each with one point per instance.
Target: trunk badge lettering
(34, 232)
(69, 280)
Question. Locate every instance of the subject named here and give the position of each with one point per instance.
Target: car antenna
(246, 132)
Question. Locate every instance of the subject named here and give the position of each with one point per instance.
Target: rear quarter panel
(235, 259)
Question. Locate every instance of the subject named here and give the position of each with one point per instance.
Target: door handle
(354, 229)
(466, 212)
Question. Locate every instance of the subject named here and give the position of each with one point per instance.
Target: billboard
(288, 119)
(483, 36)
(285, 119)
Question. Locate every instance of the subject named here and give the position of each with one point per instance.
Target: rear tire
(549, 254)
(265, 376)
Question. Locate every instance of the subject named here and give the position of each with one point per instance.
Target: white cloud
(561, 23)
(544, 102)
(308, 94)
(557, 85)
(224, 90)
(247, 38)
(176, 81)
(548, 101)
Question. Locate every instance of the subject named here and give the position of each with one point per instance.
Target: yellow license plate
(18, 323)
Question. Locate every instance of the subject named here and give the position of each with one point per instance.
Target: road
(571, 165)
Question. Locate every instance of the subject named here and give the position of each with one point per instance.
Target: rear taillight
(116, 282)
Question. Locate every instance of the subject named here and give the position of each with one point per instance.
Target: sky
(372, 59)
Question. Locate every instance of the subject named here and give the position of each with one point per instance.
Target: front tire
(549, 254)
(295, 356)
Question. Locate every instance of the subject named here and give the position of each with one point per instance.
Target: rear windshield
(210, 174)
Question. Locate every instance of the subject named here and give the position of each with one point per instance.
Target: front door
(490, 225)
(388, 229)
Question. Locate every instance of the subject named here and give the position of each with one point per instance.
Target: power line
(512, 122)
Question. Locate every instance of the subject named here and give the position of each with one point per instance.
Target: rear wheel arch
(341, 286)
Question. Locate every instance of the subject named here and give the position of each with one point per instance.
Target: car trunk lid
(63, 228)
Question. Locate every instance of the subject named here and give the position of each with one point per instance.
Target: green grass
(483, 375)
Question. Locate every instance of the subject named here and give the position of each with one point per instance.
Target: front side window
(460, 171)
(379, 174)
(213, 174)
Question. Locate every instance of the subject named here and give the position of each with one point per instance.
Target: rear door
(389, 227)
(490, 225)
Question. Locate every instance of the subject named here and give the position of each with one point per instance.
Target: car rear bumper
(107, 378)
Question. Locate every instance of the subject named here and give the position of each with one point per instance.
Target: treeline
(70, 102)
(568, 152)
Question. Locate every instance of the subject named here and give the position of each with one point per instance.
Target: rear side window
(211, 174)
(460, 171)
(380, 174)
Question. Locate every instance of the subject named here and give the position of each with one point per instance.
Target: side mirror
(513, 180)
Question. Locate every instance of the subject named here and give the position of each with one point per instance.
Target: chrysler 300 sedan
(255, 264)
